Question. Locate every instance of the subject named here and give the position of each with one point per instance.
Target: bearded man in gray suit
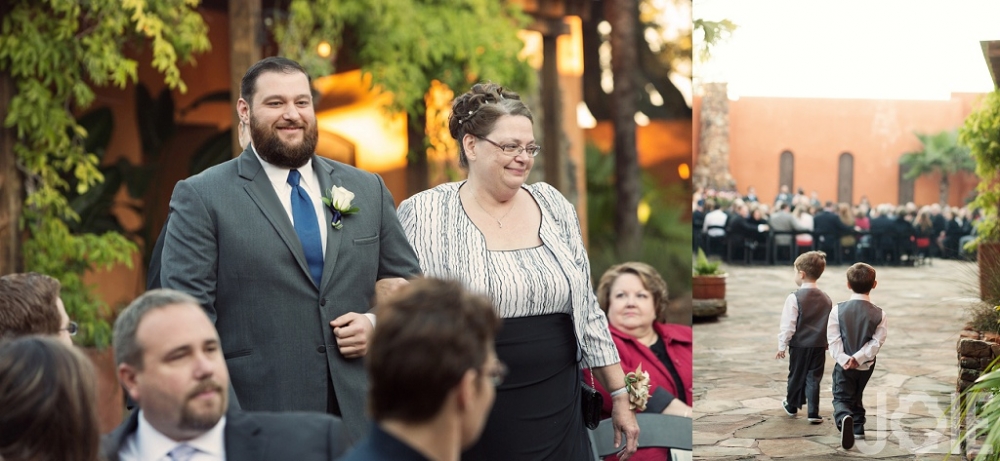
(287, 278)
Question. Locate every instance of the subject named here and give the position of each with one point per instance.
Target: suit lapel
(325, 173)
(262, 193)
(241, 437)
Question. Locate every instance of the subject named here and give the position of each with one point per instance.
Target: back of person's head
(813, 263)
(28, 305)
(429, 335)
(47, 402)
(861, 278)
(650, 278)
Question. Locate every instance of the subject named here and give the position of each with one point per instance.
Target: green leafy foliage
(666, 236)
(981, 404)
(54, 50)
(702, 266)
(941, 153)
(981, 134)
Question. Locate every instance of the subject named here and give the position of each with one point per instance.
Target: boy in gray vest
(856, 332)
(803, 333)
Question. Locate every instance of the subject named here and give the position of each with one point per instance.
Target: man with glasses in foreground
(30, 305)
(433, 373)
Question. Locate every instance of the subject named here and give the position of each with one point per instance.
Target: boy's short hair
(813, 263)
(861, 278)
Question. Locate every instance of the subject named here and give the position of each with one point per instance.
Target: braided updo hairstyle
(476, 113)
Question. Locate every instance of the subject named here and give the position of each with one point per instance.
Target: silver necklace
(499, 221)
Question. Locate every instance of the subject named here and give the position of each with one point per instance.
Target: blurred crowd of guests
(885, 233)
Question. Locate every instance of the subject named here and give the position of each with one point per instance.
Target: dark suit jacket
(829, 226)
(382, 446)
(882, 229)
(230, 244)
(260, 436)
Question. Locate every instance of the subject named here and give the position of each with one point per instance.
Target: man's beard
(274, 151)
(205, 420)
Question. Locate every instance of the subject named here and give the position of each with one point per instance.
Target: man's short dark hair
(813, 263)
(861, 278)
(127, 349)
(428, 336)
(28, 305)
(248, 85)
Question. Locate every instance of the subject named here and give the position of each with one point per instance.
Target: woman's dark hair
(476, 113)
(48, 397)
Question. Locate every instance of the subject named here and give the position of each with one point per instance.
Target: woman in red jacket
(634, 297)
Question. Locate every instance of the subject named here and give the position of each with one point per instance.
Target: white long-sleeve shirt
(790, 317)
(864, 356)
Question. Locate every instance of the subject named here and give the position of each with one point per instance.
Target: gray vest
(858, 320)
(814, 312)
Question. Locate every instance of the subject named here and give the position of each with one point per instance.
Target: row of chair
(873, 247)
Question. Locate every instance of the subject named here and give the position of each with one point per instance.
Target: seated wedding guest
(634, 297)
(805, 223)
(47, 402)
(447, 411)
(170, 362)
(30, 304)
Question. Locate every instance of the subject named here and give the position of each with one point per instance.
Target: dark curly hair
(476, 113)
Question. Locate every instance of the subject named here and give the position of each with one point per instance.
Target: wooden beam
(11, 195)
(244, 51)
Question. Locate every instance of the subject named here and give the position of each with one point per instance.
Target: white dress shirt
(148, 444)
(309, 182)
(790, 317)
(866, 355)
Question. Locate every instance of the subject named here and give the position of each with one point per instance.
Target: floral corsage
(637, 386)
(339, 202)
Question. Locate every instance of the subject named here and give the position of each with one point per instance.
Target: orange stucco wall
(817, 131)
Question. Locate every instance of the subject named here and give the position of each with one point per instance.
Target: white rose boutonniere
(637, 385)
(339, 202)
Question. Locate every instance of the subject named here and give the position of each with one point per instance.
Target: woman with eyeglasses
(521, 245)
(47, 402)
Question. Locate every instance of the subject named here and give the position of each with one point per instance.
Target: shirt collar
(860, 296)
(152, 444)
(279, 175)
(808, 285)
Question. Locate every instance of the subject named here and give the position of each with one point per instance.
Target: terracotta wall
(817, 131)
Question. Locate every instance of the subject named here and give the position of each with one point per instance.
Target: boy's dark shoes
(790, 410)
(815, 419)
(847, 432)
(859, 434)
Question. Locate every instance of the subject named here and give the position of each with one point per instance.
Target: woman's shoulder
(674, 332)
(434, 194)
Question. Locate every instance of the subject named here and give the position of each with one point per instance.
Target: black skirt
(537, 414)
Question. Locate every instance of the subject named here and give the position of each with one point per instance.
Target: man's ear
(128, 377)
(466, 389)
(243, 110)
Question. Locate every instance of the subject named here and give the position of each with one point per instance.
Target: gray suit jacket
(260, 436)
(231, 245)
(783, 222)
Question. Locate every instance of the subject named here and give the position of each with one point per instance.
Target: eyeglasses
(497, 374)
(72, 328)
(514, 150)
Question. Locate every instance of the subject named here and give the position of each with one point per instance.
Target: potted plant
(981, 134)
(708, 280)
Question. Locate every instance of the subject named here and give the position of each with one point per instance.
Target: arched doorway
(845, 178)
(786, 170)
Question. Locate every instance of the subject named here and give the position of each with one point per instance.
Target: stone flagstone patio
(739, 386)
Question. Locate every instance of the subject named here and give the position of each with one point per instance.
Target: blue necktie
(307, 226)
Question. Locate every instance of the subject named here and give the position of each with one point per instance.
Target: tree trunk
(712, 169)
(11, 195)
(623, 16)
(417, 171)
(943, 189)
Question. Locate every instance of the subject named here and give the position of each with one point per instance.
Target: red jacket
(677, 339)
